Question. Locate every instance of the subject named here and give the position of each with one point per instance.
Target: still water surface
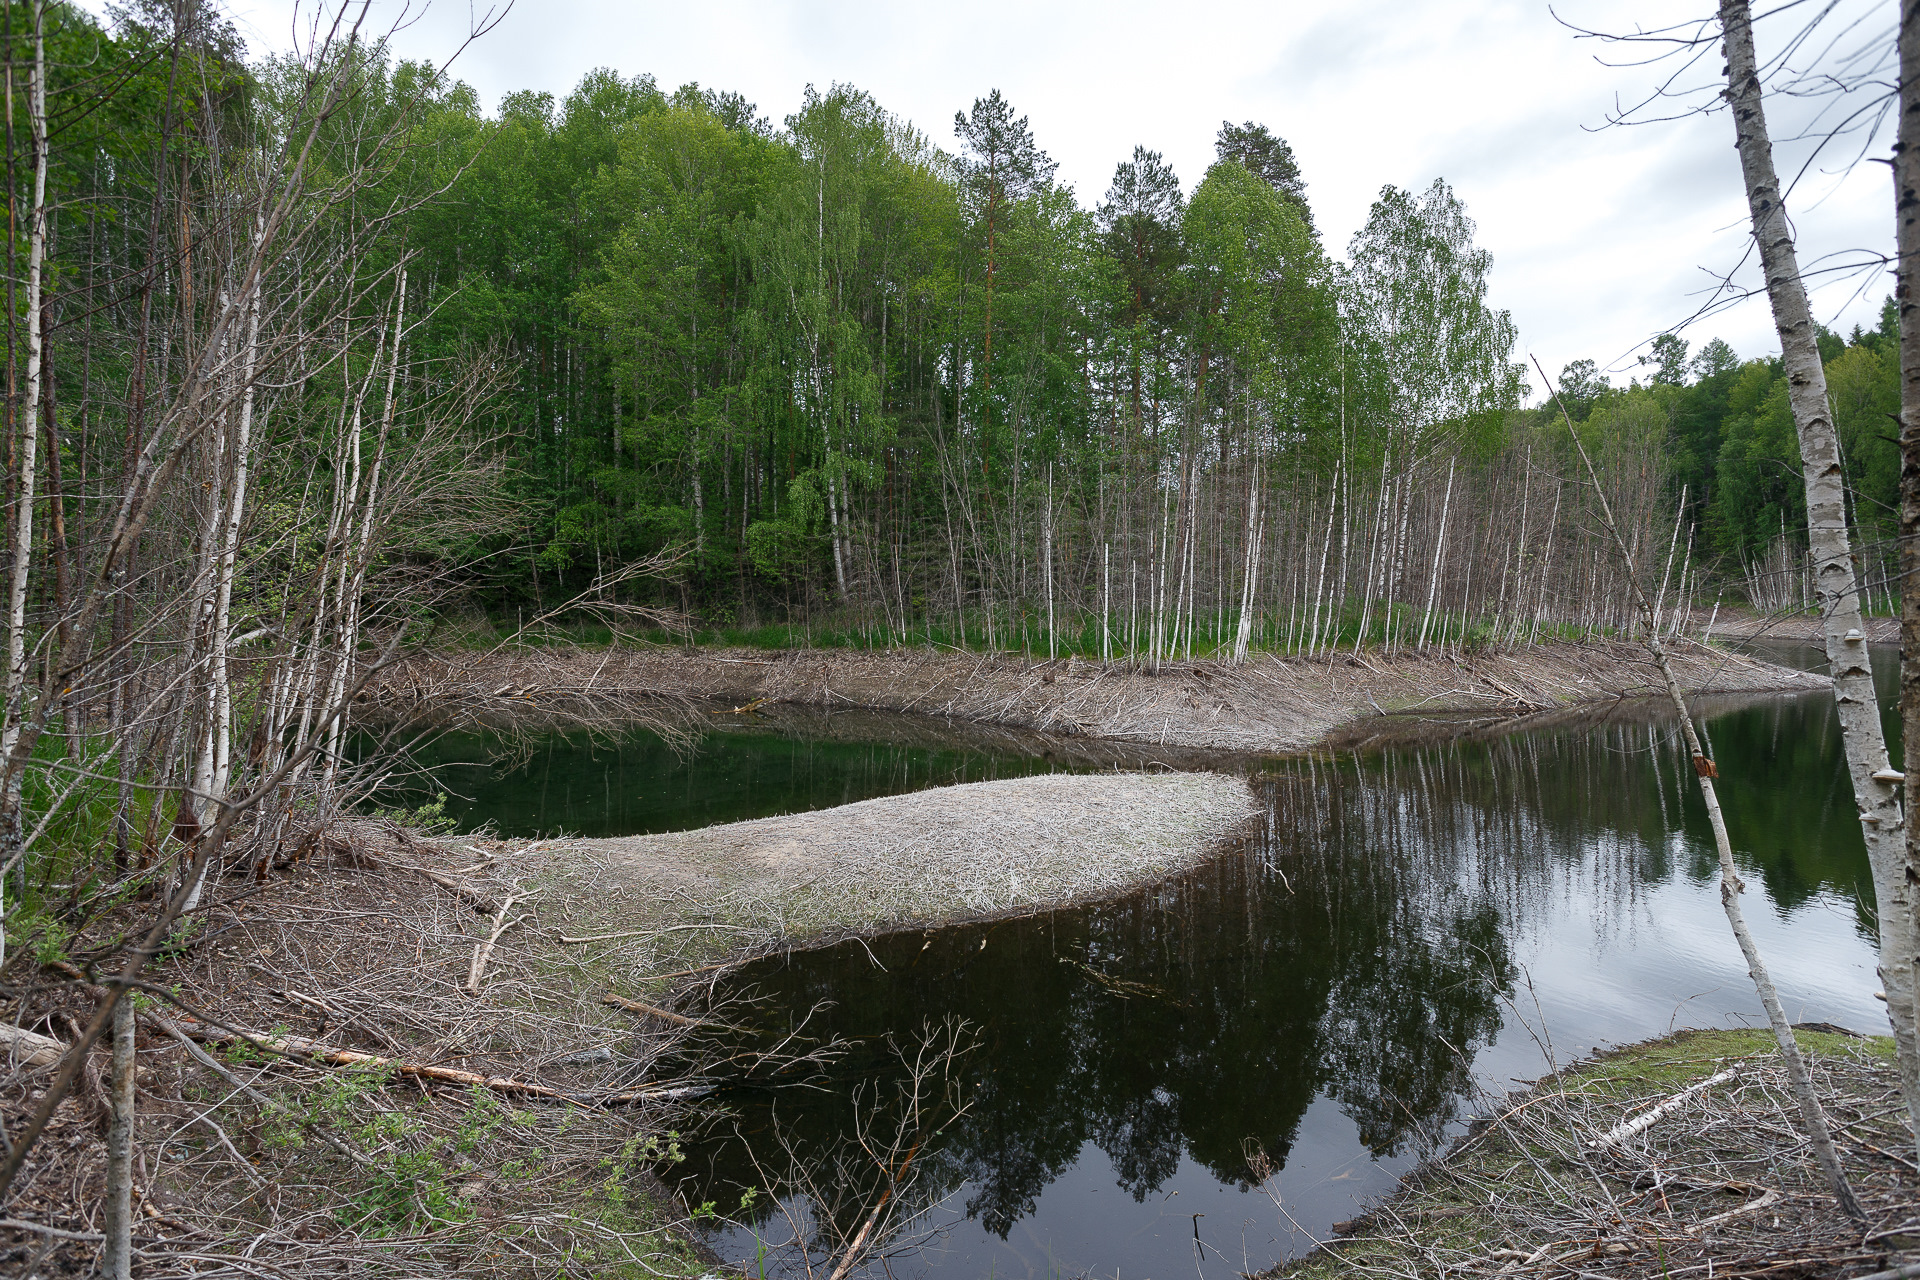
(1407, 924)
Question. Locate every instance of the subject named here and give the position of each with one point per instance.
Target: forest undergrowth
(333, 1081)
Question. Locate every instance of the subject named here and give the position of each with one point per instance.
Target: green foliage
(1723, 430)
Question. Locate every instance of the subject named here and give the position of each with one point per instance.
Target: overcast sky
(1600, 237)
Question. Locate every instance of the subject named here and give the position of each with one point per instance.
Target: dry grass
(361, 1170)
(1269, 705)
(1722, 1186)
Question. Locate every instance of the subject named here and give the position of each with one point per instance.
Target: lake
(1409, 925)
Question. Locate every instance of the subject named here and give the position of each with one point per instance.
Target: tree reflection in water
(1358, 946)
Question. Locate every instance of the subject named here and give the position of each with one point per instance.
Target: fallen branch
(1653, 1115)
(29, 1048)
(852, 1256)
(16, 1224)
(466, 893)
(302, 1048)
(485, 949)
(1771, 1197)
(653, 932)
(665, 1015)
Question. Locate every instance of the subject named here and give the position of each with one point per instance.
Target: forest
(843, 376)
(322, 371)
(857, 378)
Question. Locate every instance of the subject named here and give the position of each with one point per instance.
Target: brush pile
(1677, 1158)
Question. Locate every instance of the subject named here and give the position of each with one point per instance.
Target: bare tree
(1799, 1079)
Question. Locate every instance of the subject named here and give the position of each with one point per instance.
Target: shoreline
(720, 896)
(1552, 1177)
(461, 955)
(1269, 705)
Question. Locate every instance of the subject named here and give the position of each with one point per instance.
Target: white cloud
(1601, 237)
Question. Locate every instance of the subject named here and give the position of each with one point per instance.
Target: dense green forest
(840, 374)
(1734, 457)
(852, 373)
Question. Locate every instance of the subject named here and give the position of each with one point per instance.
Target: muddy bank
(638, 907)
(1267, 705)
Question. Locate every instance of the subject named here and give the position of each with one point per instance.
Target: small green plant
(431, 816)
(401, 1188)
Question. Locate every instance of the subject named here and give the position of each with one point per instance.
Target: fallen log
(29, 1048)
(312, 1050)
(1653, 1115)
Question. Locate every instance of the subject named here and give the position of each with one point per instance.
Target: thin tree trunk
(116, 1258)
(1439, 549)
(1876, 789)
(26, 430)
(1799, 1080)
(1106, 602)
(1906, 181)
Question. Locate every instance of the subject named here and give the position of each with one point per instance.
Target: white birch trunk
(15, 708)
(1243, 638)
(1326, 550)
(1106, 602)
(1876, 789)
(1439, 549)
(1906, 174)
(1048, 551)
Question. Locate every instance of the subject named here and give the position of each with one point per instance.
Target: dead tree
(1799, 1079)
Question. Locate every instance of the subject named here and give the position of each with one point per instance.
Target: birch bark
(1439, 549)
(1876, 788)
(1906, 180)
(27, 438)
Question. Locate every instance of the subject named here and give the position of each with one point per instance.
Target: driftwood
(29, 1048)
(303, 1048)
(1653, 1115)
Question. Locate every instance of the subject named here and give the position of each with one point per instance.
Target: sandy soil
(1269, 705)
(925, 858)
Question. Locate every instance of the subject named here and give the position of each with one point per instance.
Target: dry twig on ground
(1721, 1183)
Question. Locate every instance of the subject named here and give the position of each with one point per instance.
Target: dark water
(1408, 923)
(736, 768)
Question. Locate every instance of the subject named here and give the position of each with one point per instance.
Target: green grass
(1450, 1210)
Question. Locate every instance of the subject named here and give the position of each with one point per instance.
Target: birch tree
(1876, 785)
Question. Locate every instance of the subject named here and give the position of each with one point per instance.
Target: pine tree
(1266, 155)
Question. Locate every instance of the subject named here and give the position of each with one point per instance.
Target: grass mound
(1721, 1184)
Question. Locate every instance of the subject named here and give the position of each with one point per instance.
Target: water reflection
(1327, 991)
(778, 760)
